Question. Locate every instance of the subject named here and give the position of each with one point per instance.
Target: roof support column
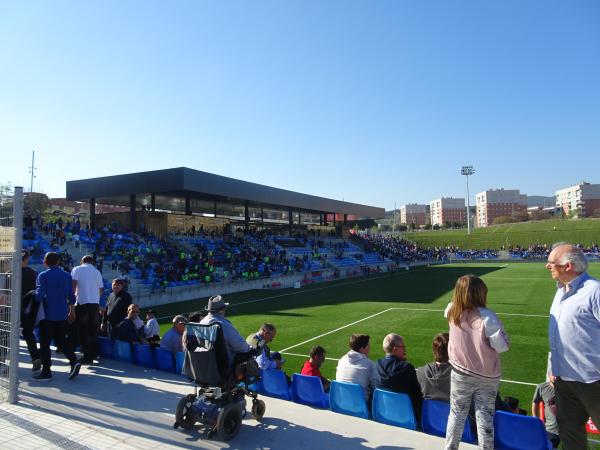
(152, 201)
(215, 209)
(92, 213)
(246, 217)
(321, 219)
(188, 208)
(345, 219)
(132, 222)
(262, 216)
(290, 220)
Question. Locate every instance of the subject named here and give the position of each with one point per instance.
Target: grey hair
(268, 327)
(574, 255)
(390, 341)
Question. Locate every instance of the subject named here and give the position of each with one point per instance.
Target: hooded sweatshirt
(435, 381)
(355, 367)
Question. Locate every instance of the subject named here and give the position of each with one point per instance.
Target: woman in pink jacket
(477, 338)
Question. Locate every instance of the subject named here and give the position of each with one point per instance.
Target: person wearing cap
(171, 341)
(151, 329)
(235, 343)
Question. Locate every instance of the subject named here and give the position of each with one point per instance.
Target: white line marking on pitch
(337, 359)
(337, 329)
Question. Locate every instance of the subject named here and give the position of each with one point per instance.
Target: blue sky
(375, 102)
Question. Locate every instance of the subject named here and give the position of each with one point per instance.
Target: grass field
(582, 231)
(408, 303)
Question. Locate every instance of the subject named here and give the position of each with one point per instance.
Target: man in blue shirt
(54, 290)
(574, 334)
(171, 341)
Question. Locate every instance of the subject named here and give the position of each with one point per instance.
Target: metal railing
(11, 235)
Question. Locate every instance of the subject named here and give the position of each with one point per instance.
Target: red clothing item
(310, 369)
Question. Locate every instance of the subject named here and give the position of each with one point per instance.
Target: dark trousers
(87, 328)
(29, 337)
(575, 403)
(49, 330)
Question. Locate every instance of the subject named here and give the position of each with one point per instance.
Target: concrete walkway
(116, 406)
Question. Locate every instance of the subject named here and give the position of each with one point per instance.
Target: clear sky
(375, 102)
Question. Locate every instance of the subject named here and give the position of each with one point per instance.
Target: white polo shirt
(89, 282)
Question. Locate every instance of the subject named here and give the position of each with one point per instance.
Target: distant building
(414, 213)
(495, 203)
(448, 209)
(583, 198)
(541, 201)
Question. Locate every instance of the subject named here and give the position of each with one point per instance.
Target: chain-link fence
(11, 234)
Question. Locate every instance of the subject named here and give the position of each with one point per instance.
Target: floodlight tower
(466, 171)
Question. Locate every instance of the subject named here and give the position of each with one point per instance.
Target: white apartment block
(413, 213)
(448, 209)
(495, 203)
(582, 196)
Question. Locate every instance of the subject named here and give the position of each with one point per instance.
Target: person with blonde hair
(477, 338)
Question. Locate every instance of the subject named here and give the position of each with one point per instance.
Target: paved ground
(116, 406)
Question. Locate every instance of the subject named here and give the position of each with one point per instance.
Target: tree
(539, 214)
(447, 224)
(520, 216)
(502, 219)
(436, 227)
(35, 204)
(596, 213)
(412, 226)
(402, 227)
(427, 226)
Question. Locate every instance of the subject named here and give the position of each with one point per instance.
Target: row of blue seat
(141, 354)
(512, 431)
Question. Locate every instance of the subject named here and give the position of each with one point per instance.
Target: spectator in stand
(261, 339)
(312, 366)
(88, 288)
(544, 393)
(574, 333)
(477, 337)
(54, 291)
(356, 367)
(512, 403)
(29, 309)
(171, 341)
(116, 306)
(434, 377)
(152, 329)
(129, 330)
(196, 316)
(398, 375)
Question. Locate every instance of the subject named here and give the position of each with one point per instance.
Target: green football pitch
(409, 303)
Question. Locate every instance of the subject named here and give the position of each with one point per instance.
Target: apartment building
(584, 197)
(448, 209)
(414, 213)
(495, 203)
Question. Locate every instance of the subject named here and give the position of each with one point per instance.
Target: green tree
(35, 203)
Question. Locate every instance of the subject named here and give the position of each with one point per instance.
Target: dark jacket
(126, 331)
(400, 376)
(435, 381)
(116, 307)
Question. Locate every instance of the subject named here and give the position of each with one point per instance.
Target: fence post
(15, 303)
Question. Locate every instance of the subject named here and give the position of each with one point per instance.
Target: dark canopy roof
(182, 181)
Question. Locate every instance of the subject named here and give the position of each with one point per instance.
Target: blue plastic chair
(123, 351)
(143, 355)
(274, 384)
(106, 347)
(516, 432)
(435, 420)
(348, 398)
(308, 390)
(179, 357)
(393, 408)
(164, 360)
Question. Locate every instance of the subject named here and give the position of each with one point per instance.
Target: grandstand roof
(182, 181)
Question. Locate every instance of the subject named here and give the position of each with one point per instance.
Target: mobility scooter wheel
(229, 422)
(184, 414)
(258, 409)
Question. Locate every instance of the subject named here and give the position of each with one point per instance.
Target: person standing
(574, 333)
(54, 291)
(29, 308)
(88, 288)
(477, 337)
(117, 305)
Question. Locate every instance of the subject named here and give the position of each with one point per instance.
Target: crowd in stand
(398, 249)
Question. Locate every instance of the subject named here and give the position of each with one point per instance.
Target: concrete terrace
(114, 405)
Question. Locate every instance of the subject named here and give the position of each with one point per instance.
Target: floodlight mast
(466, 171)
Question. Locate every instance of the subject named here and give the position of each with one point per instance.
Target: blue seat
(348, 398)
(393, 408)
(164, 360)
(143, 355)
(123, 352)
(106, 347)
(308, 390)
(435, 420)
(516, 432)
(179, 356)
(274, 384)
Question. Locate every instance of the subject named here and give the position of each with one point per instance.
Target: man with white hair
(574, 334)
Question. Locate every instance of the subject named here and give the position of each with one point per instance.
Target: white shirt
(355, 367)
(151, 328)
(89, 283)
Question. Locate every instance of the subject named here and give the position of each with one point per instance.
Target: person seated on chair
(313, 364)
(172, 340)
(356, 367)
(129, 330)
(151, 329)
(235, 343)
(398, 375)
(260, 340)
(545, 393)
(434, 377)
(512, 404)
